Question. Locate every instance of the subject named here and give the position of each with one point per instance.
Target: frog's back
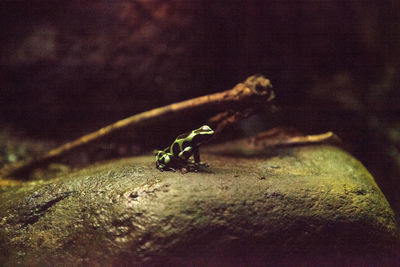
(183, 136)
(180, 143)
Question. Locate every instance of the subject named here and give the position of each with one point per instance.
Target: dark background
(70, 67)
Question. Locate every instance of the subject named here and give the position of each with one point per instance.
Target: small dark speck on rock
(361, 192)
(262, 178)
(134, 195)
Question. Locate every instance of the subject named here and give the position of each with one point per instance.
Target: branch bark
(256, 92)
(275, 138)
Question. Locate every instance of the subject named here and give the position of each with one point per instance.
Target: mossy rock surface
(309, 201)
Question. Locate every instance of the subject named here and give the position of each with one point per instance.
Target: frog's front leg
(196, 156)
(186, 153)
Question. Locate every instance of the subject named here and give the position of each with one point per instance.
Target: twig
(263, 143)
(276, 137)
(254, 93)
(223, 119)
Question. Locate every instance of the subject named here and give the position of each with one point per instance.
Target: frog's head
(203, 134)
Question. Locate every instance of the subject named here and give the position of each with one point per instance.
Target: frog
(177, 155)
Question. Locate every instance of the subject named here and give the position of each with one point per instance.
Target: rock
(311, 203)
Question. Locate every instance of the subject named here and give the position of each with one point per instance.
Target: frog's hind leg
(160, 166)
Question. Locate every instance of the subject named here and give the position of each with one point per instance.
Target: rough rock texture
(314, 203)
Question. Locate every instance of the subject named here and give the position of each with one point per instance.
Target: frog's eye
(206, 128)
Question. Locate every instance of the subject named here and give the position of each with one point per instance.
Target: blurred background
(71, 67)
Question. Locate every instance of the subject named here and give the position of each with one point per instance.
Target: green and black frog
(177, 155)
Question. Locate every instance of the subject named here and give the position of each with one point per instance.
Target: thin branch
(263, 143)
(254, 93)
(268, 139)
(224, 119)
